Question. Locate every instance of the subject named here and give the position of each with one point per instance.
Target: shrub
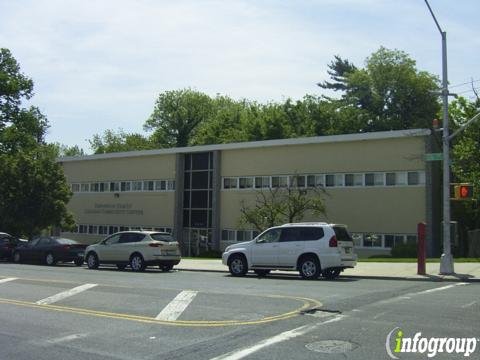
(404, 251)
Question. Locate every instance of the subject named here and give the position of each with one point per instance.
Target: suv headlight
(227, 249)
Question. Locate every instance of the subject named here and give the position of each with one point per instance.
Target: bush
(404, 251)
(211, 254)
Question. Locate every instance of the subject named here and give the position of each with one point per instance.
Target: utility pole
(446, 260)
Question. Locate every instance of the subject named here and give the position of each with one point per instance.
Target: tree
(390, 89)
(466, 159)
(65, 150)
(119, 141)
(33, 188)
(176, 117)
(282, 205)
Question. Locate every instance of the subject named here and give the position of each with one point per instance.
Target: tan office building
(376, 183)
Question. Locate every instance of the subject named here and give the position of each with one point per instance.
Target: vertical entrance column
(217, 184)
(179, 187)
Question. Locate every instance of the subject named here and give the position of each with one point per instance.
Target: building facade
(378, 184)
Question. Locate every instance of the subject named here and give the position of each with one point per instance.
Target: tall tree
(33, 188)
(339, 70)
(177, 116)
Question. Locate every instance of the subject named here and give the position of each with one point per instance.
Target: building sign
(114, 209)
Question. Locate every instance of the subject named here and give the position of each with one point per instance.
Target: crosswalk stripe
(7, 280)
(177, 306)
(65, 294)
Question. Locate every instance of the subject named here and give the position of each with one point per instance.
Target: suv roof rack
(306, 223)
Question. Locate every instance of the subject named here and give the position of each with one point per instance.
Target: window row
(386, 241)
(398, 178)
(112, 229)
(238, 235)
(123, 186)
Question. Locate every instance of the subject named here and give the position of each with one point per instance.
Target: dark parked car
(7, 244)
(50, 250)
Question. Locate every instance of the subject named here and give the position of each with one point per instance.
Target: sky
(101, 64)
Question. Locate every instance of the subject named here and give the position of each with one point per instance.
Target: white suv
(135, 248)
(310, 248)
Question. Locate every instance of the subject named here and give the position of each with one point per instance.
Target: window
(311, 233)
(230, 183)
(170, 185)
(112, 240)
(413, 178)
(228, 235)
(137, 185)
(75, 188)
(262, 182)
(270, 236)
(339, 179)
(103, 187)
(396, 178)
(102, 230)
(112, 229)
(246, 183)
(353, 179)
(244, 235)
(279, 181)
(392, 240)
(92, 229)
(329, 180)
(390, 179)
(148, 185)
(83, 229)
(114, 186)
(131, 238)
(372, 240)
(291, 234)
(297, 181)
(374, 179)
(85, 187)
(125, 185)
(95, 187)
(160, 185)
(357, 239)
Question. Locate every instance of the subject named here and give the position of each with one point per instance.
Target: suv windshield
(162, 237)
(341, 233)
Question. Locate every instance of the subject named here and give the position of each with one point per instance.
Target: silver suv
(310, 248)
(135, 248)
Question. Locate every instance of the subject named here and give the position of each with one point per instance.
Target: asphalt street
(65, 312)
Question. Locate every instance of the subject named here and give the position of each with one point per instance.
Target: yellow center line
(307, 304)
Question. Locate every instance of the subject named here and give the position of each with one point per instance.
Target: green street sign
(434, 157)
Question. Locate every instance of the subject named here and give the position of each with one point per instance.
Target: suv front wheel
(309, 268)
(238, 265)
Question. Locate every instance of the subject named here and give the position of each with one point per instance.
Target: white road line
(65, 294)
(468, 305)
(287, 335)
(66, 338)
(7, 280)
(177, 306)
(440, 288)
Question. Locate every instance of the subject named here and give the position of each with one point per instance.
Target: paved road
(65, 312)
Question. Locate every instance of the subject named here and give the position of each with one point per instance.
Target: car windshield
(162, 237)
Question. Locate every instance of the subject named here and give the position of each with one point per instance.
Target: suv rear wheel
(238, 265)
(309, 268)
(331, 274)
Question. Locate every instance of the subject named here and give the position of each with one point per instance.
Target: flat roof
(380, 135)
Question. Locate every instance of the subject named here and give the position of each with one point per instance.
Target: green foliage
(119, 141)
(33, 188)
(33, 192)
(408, 250)
(176, 117)
(277, 206)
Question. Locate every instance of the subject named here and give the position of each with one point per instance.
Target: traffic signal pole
(446, 260)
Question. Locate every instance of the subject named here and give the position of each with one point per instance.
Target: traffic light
(463, 191)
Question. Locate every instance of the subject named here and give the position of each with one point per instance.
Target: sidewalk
(469, 272)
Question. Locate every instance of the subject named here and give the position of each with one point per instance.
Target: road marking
(468, 305)
(66, 338)
(440, 288)
(177, 306)
(65, 294)
(7, 280)
(287, 335)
